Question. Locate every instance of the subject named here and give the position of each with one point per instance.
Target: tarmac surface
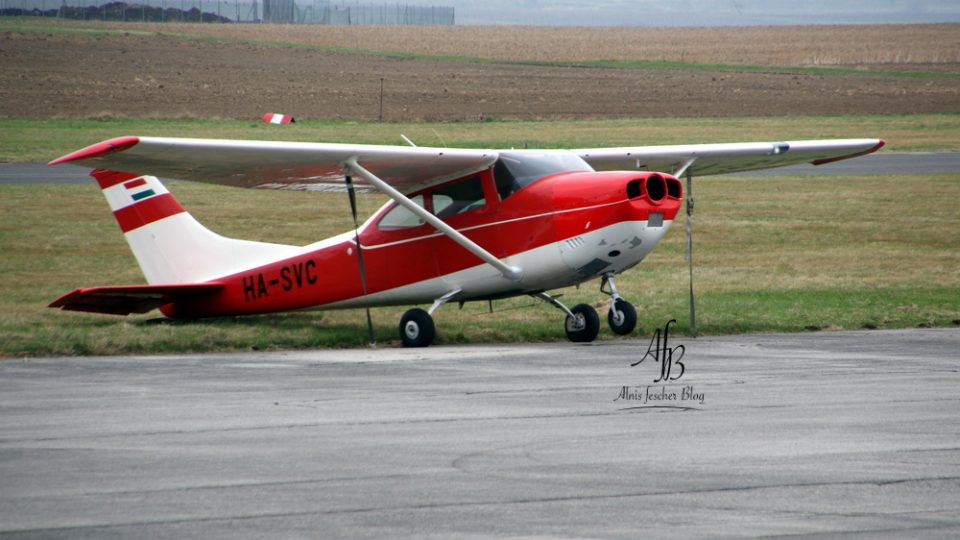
(884, 162)
(812, 435)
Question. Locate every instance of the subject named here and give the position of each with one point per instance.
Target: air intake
(656, 187)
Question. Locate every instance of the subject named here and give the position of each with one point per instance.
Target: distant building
(273, 11)
(279, 11)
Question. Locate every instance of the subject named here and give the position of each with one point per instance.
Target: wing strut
(512, 273)
(684, 167)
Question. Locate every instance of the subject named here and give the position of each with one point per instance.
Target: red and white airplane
(462, 225)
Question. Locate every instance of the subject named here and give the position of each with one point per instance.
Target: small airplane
(462, 225)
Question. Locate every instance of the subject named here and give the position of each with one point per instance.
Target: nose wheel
(622, 316)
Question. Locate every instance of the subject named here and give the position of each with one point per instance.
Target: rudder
(168, 243)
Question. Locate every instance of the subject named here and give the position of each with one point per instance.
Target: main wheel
(622, 317)
(416, 328)
(584, 326)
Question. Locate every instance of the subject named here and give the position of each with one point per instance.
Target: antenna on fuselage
(408, 141)
(439, 136)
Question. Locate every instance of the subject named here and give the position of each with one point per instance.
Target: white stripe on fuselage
(484, 225)
(544, 268)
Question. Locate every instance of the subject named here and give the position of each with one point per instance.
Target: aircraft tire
(585, 327)
(417, 328)
(622, 317)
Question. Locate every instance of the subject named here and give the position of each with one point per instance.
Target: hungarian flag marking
(138, 189)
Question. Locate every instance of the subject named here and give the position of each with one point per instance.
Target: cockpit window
(516, 170)
(400, 217)
(458, 197)
(444, 201)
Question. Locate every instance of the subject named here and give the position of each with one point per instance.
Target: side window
(458, 197)
(400, 217)
(506, 184)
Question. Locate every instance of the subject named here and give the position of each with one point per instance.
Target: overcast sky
(696, 12)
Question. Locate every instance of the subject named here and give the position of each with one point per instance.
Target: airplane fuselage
(561, 230)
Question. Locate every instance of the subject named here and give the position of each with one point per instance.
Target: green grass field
(771, 254)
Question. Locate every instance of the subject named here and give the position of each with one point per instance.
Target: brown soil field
(166, 71)
(929, 45)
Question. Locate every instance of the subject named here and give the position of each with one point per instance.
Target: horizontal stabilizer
(127, 299)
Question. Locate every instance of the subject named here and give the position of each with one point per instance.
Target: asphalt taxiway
(818, 434)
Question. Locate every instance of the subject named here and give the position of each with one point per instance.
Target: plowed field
(242, 71)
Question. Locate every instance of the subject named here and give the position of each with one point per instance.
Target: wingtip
(111, 146)
(880, 144)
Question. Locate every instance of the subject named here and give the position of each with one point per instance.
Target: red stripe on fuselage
(147, 211)
(331, 274)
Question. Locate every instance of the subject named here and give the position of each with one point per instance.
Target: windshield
(516, 170)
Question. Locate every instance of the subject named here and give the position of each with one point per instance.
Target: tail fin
(169, 244)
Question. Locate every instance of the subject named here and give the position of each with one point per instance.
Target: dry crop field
(925, 46)
(92, 69)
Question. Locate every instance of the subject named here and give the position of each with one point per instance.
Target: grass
(43, 139)
(771, 254)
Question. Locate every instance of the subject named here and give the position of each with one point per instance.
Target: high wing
(279, 165)
(313, 166)
(706, 159)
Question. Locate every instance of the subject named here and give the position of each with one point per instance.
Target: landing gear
(417, 328)
(622, 316)
(416, 325)
(582, 323)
